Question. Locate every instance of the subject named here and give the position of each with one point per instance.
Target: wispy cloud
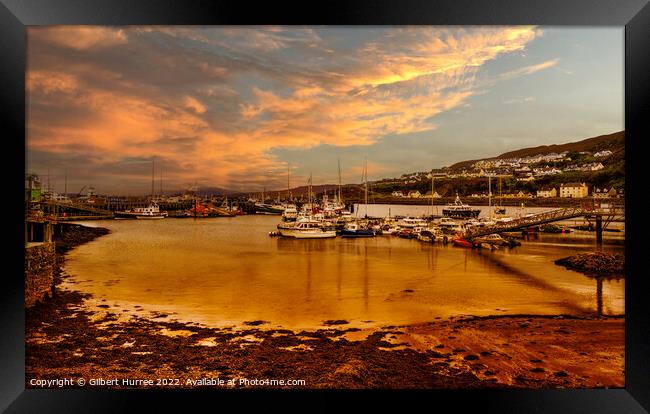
(527, 99)
(529, 70)
(217, 101)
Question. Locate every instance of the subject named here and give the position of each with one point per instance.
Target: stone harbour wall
(40, 267)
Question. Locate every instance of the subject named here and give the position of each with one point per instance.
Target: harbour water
(226, 271)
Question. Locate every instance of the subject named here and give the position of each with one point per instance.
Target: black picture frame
(634, 15)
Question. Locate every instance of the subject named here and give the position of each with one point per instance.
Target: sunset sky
(231, 106)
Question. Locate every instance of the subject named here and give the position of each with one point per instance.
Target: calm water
(225, 271)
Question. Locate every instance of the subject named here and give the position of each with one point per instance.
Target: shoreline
(64, 339)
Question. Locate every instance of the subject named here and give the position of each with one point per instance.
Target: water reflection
(599, 296)
(218, 272)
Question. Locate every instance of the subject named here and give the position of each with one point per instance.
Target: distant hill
(208, 191)
(614, 142)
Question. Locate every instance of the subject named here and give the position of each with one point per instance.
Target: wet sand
(66, 339)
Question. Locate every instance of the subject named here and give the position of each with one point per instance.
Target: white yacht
(290, 213)
(409, 222)
(305, 228)
(450, 225)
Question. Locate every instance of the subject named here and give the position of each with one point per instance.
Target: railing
(80, 207)
(532, 220)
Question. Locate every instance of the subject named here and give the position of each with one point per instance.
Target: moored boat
(459, 210)
(409, 222)
(290, 213)
(459, 241)
(353, 229)
(263, 208)
(152, 211)
(305, 228)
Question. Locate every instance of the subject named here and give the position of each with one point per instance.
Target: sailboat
(290, 212)
(354, 229)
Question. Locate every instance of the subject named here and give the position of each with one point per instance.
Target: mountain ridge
(613, 142)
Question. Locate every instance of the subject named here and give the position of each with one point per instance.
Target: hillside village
(590, 168)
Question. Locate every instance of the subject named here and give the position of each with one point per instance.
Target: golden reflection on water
(228, 270)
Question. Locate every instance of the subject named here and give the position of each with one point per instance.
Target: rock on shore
(73, 235)
(595, 264)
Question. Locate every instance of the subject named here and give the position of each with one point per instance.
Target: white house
(573, 190)
(547, 192)
(434, 195)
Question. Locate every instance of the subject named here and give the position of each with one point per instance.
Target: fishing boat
(459, 210)
(353, 229)
(150, 212)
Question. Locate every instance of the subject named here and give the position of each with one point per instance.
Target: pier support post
(47, 232)
(599, 230)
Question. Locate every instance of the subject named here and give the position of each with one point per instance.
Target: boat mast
(311, 203)
(432, 178)
(490, 195)
(366, 180)
(153, 163)
(340, 197)
(500, 199)
(288, 185)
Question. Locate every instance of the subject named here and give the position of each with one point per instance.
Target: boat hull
(461, 213)
(268, 209)
(357, 233)
(462, 243)
(125, 215)
(315, 235)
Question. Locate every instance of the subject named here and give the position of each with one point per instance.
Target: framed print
(227, 201)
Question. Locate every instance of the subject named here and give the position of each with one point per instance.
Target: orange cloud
(195, 105)
(391, 86)
(79, 37)
(50, 82)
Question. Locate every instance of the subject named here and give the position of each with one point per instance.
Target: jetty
(601, 216)
(61, 211)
